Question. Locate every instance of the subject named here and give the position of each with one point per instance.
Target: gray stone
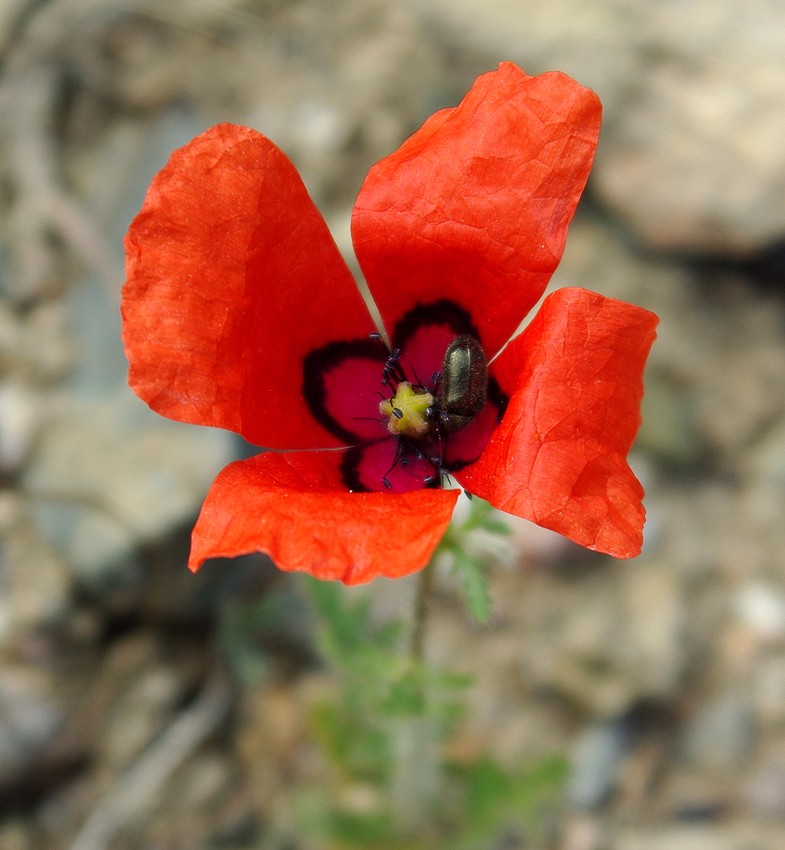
(598, 44)
(621, 645)
(720, 736)
(763, 792)
(36, 348)
(595, 764)
(19, 413)
(760, 609)
(767, 685)
(16, 834)
(35, 582)
(766, 460)
(110, 474)
(737, 835)
(694, 158)
(691, 154)
(28, 717)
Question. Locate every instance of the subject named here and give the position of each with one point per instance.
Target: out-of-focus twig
(42, 206)
(135, 791)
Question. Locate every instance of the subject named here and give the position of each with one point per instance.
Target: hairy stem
(419, 628)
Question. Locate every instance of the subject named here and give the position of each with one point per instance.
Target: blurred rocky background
(132, 713)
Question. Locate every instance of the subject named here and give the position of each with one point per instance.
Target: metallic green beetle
(464, 383)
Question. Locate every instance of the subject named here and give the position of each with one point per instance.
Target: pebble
(19, 412)
(595, 763)
(29, 717)
(160, 472)
(760, 607)
(621, 646)
(744, 835)
(767, 688)
(763, 792)
(15, 834)
(720, 735)
(34, 580)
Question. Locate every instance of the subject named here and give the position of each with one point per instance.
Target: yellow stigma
(408, 411)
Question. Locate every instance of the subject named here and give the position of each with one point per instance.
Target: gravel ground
(661, 680)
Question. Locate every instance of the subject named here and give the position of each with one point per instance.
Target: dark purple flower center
(411, 414)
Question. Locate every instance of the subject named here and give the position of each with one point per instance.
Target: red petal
(295, 508)
(232, 277)
(559, 456)
(475, 206)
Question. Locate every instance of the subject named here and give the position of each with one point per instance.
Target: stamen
(408, 412)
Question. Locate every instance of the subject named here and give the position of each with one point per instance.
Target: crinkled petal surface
(475, 205)
(232, 277)
(295, 508)
(559, 456)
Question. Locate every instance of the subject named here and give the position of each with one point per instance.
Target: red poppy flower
(240, 313)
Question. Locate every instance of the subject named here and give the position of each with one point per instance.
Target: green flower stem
(415, 767)
(421, 599)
